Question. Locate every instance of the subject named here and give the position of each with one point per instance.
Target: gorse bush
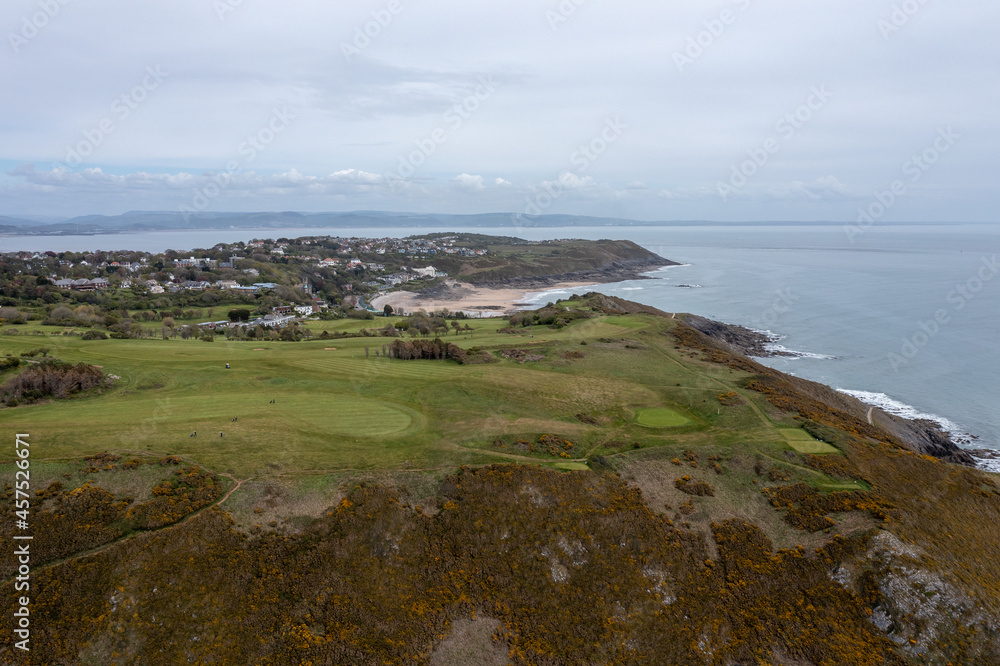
(574, 568)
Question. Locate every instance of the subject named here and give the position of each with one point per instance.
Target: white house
(304, 310)
(430, 271)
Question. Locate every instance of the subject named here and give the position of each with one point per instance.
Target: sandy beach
(460, 296)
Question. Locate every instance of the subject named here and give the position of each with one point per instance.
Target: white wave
(774, 347)
(533, 298)
(958, 434)
(891, 406)
(772, 336)
(632, 288)
(663, 269)
(988, 464)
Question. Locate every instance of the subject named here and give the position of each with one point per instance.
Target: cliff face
(739, 339)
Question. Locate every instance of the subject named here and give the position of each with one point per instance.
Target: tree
(387, 310)
(239, 314)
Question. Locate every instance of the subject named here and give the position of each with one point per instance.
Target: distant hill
(168, 220)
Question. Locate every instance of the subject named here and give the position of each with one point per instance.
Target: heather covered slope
(615, 487)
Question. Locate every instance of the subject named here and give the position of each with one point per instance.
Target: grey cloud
(355, 118)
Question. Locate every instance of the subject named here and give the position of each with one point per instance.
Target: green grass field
(803, 442)
(659, 417)
(339, 410)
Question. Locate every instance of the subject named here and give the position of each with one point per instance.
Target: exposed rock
(917, 607)
(737, 338)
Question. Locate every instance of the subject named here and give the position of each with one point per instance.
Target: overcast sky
(693, 109)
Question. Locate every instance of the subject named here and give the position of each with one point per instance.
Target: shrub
(52, 379)
(13, 316)
(360, 314)
(696, 488)
(436, 349)
(730, 398)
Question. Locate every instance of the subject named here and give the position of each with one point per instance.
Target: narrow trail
(239, 482)
(135, 535)
(757, 410)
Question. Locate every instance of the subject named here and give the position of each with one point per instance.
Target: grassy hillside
(617, 490)
(336, 409)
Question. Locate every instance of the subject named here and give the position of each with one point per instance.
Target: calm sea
(904, 316)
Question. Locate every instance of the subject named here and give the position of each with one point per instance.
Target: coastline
(473, 300)
(504, 298)
(926, 433)
(986, 459)
(929, 434)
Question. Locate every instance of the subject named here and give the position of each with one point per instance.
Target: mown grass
(659, 417)
(803, 442)
(329, 406)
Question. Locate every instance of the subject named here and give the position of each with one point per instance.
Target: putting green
(803, 442)
(659, 417)
(351, 417)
